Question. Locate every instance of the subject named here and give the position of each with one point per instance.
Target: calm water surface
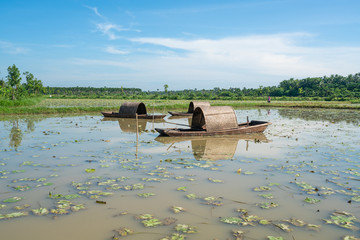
(94, 176)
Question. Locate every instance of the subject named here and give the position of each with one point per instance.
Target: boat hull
(243, 128)
(180, 114)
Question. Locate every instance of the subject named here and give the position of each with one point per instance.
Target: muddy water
(304, 154)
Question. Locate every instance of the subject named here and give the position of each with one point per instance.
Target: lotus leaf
(145, 216)
(78, 207)
(264, 222)
(13, 215)
(311, 200)
(262, 189)
(215, 180)
(124, 231)
(59, 211)
(40, 211)
(146, 195)
(350, 238)
(2, 206)
(275, 238)
(191, 196)
(177, 209)
(182, 189)
(13, 199)
(248, 173)
(185, 228)
(296, 222)
(232, 220)
(71, 196)
(356, 198)
(90, 170)
(283, 227)
(268, 205)
(22, 207)
(153, 222)
(267, 196)
(342, 219)
(238, 234)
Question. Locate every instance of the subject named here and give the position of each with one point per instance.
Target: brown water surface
(59, 163)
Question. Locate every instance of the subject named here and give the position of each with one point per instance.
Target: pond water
(86, 177)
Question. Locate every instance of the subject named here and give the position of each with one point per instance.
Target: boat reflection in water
(129, 124)
(215, 148)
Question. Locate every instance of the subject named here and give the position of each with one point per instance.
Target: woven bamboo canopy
(214, 118)
(131, 108)
(194, 104)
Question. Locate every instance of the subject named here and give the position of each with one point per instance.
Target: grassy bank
(50, 106)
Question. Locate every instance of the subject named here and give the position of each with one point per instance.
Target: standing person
(269, 99)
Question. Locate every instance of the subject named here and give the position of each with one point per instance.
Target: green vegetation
(336, 92)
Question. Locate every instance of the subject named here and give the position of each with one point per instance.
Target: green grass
(50, 106)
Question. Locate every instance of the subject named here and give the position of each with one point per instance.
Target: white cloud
(11, 48)
(113, 50)
(95, 10)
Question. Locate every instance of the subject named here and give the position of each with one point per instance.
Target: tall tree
(13, 79)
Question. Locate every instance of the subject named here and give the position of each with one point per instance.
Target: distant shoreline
(54, 106)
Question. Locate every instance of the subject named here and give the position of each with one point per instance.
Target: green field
(48, 106)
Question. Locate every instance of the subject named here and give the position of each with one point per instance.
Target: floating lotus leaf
(283, 227)
(274, 184)
(248, 173)
(184, 189)
(40, 211)
(144, 216)
(2, 206)
(124, 231)
(48, 184)
(264, 222)
(267, 196)
(267, 205)
(78, 207)
(146, 195)
(153, 222)
(168, 221)
(275, 238)
(90, 170)
(305, 187)
(13, 199)
(239, 235)
(296, 222)
(311, 200)
(350, 238)
(191, 196)
(262, 189)
(59, 211)
(177, 209)
(22, 207)
(13, 215)
(72, 196)
(185, 228)
(213, 201)
(356, 198)
(232, 220)
(215, 180)
(342, 219)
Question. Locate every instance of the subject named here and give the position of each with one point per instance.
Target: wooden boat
(217, 120)
(130, 109)
(192, 106)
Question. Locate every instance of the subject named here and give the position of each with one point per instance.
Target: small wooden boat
(192, 106)
(217, 120)
(130, 110)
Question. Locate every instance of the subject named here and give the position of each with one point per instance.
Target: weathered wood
(130, 109)
(192, 106)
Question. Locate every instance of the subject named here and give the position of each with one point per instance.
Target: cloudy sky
(186, 44)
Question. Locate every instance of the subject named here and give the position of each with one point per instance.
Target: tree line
(334, 87)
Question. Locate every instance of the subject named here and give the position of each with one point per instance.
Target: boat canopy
(194, 104)
(131, 108)
(214, 118)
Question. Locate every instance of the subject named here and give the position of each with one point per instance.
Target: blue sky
(186, 44)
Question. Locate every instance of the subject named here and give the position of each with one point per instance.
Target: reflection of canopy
(131, 108)
(214, 149)
(194, 104)
(129, 124)
(214, 118)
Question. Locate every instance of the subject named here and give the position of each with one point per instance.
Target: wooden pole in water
(137, 134)
(247, 120)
